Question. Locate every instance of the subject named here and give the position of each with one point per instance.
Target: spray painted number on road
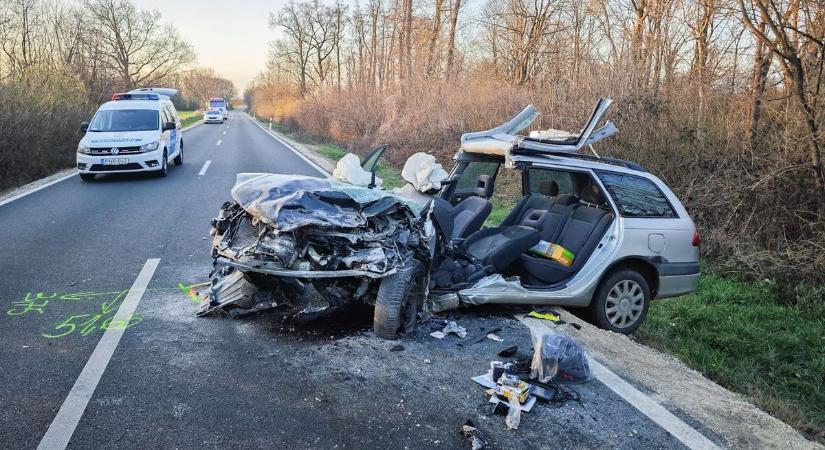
(102, 318)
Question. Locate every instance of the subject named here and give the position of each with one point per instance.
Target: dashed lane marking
(205, 166)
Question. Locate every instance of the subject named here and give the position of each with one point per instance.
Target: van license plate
(114, 161)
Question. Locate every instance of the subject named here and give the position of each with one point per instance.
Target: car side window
(636, 196)
(538, 181)
(173, 116)
(471, 173)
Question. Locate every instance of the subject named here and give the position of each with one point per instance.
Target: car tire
(400, 297)
(87, 176)
(179, 159)
(621, 301)
(164, 165)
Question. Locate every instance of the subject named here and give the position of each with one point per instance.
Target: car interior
(562, 207)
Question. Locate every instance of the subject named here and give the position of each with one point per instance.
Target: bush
(40, 116)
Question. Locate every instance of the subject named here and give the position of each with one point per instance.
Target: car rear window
(636, 196)
(125, 120)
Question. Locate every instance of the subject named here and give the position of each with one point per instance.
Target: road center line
(62, 427)
(219, 142)
(646, 405)
(224, 132)
(205, 166)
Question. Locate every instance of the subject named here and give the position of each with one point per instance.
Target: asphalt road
(176, 381)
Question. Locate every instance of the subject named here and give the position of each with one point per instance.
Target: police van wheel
(164, 165)
(87, 176)
(179, 159)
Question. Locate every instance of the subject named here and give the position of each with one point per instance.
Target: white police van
(138, 131)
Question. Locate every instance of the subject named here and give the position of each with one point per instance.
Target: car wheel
(87, 176)
(621, 301)
(164, 165)
(400, 298)
(179, 159)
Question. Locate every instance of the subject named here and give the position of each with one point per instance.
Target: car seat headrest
(549, 188)
(591, 194)
(566, 200)
(484, 186)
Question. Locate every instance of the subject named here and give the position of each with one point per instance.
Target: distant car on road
(137, 131)
(213, 115)
(220, 104)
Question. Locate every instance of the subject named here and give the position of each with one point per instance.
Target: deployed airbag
(423, 172)
(349, 170)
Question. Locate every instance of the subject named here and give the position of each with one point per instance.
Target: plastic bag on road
(558, 358)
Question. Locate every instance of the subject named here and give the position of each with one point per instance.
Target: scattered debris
(481, 337)
(495, 337)
(451, 327)
(508, 351)
(474, 436)
(553, 316)
(558, 358)
(397, 348)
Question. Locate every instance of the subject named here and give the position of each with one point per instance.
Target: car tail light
(697, 240)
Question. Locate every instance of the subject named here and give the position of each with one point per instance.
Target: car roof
(134, 104)
(581, 160)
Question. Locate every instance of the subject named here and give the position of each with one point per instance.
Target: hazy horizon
(232, 38)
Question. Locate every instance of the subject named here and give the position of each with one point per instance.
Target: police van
(137, 131)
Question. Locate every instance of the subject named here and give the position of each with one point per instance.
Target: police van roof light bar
(135, 96)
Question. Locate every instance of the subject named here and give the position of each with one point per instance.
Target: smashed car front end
(283, 233)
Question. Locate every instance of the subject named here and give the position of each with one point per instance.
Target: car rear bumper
(213, 119)
(677, 278)
(140, 162)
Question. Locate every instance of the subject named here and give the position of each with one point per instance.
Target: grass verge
(747, 338)
(189, 117)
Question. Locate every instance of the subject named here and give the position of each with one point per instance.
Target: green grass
(501, 207)
(189, 117)
(748, 339)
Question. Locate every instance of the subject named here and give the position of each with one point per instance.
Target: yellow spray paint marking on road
(101, 318)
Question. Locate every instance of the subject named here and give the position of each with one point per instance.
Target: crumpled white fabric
(348, 169)
(423, 172)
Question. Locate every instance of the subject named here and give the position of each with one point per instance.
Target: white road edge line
(205, 166)
(646, 405)
(43, 186)
(290, 147)
(62, 427)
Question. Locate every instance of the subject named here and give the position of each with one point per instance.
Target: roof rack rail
(602, 159)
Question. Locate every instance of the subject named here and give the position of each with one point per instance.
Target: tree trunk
(434, 34)
(761, 66)
(451, 44)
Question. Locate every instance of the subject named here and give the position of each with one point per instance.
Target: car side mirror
(84, 126)
(169, 126)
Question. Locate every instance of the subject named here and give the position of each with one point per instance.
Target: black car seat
(583, 226)
(469, 214)
(500, 246)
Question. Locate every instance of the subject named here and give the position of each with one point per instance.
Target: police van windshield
(217, 103)
(125, 120)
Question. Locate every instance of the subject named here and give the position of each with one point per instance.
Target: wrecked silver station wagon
(588, 231)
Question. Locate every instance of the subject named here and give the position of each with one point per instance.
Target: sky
(230, 36)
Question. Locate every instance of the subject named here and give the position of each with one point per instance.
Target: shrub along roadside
(747, 338)
(752, 338)
(189, 117)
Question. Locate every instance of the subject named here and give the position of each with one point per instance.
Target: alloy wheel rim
(624, 304)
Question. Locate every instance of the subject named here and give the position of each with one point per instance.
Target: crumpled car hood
(288, 202)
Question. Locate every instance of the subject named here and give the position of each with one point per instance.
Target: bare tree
(138, 46)
(784, 36)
